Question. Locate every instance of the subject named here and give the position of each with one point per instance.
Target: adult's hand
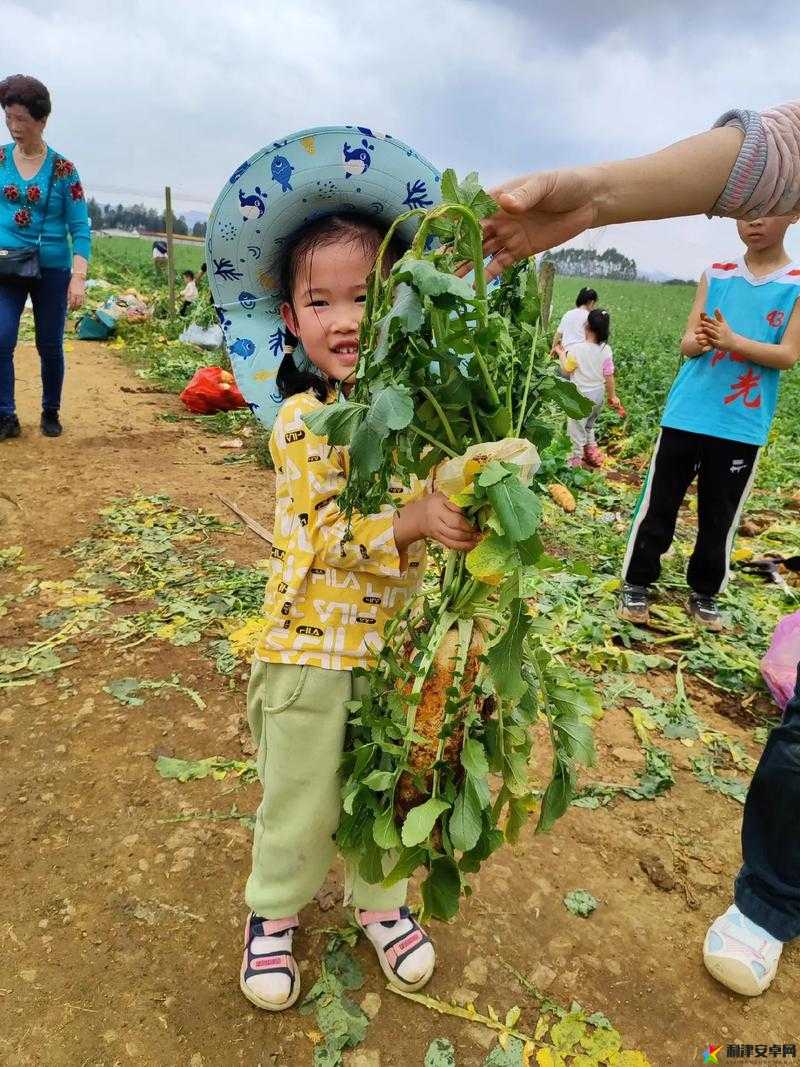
(537, 212)
(76, 294)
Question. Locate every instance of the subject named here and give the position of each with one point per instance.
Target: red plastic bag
(212, 389)
(779, 665)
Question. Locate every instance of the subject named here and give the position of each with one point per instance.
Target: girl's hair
(599, 322)
(585, 296)
(297, 255)
(27, 91)
(189, 274)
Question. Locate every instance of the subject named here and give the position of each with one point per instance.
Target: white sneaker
(740, 954)
(404, 951)
(269, 977)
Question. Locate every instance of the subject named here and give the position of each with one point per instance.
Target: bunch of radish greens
(436, 770)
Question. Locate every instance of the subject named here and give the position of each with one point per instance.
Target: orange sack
(212, 389)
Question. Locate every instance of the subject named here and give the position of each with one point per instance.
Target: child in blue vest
(743, 330)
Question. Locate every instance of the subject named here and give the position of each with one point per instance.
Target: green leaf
(519, 808)
(513, 1055)
(465, 821)
(580, 902)
(556, 797)
(441, 890)
(492, 473)
(409, 860)
(574, 736)
(492, 559)
(505, 656)
(384, 829)
(468, 192)
(123, 689)
(574, 404)
(428, 281)
(366, 453)
(370, 863)
(392, 408)
(473, 758)
(420, 821)
(379, 780)
(440, 1054)
(336, 422)
(517, 508)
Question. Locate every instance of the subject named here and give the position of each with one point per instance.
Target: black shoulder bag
(22, 264)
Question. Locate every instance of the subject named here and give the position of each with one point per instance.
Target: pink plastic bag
(779, 665)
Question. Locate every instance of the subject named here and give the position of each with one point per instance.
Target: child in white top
(590, 366)
(572, 328)
(189, 292)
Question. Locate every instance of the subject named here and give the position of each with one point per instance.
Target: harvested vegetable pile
(454, 384)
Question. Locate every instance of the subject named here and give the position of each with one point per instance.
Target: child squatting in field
(743, 330)
(326, 606)
(589, 364)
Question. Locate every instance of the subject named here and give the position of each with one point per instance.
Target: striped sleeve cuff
(749, 166)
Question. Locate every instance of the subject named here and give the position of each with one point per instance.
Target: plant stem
(437, 407)
(449, 571)
(433, 440)
(474, 421)
(528, 377)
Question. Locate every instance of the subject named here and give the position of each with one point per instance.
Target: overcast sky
(147, 94)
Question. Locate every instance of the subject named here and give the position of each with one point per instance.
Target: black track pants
(768, 886)
(725, 471)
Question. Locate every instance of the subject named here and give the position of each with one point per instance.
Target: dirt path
(120, 929)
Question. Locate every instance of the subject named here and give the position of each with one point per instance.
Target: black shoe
(51, 427)
(634, 605)
(704, 610)
(9, 427)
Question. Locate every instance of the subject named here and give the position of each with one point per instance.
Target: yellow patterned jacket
(328, 599)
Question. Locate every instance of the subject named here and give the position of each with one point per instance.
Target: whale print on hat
(289, 182)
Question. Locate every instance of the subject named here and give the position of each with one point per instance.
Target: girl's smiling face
(328, 303)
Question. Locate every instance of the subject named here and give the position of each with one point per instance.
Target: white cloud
(149, 94)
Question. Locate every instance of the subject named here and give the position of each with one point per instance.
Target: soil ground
(120, 930)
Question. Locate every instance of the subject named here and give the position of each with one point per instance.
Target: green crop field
(115, 255)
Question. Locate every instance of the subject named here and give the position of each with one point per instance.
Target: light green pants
(298, 716)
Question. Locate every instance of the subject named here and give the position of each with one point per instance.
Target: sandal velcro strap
(398, 951)
(276, 962)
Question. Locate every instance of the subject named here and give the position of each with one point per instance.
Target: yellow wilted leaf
(512, 1017)
(542, 1026)
(568, 1032)
(243, 639)
(493, 1014)
(491, 560)
(742, 554)
(629, 1058)
(611, 586)
(602, 1043)
(548, 1057)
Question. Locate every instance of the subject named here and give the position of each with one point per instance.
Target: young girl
(327, 604)
(590, 366)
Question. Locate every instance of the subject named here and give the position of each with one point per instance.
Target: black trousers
(768, 886)
(725, 471)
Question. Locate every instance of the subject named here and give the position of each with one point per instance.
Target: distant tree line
(588, 263)
(138, 217)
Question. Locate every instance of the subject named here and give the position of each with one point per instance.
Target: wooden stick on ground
(256, 527)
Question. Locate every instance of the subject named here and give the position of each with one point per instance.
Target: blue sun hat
(302, 177)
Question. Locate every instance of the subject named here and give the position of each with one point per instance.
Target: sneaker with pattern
(740, 954)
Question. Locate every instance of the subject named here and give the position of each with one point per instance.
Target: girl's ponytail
(599, 322)
(290, 379)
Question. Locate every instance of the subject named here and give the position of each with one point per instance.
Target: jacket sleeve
(76, 215)
(765, 179)
(315, 474)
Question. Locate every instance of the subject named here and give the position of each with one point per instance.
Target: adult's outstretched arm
(747, 166)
